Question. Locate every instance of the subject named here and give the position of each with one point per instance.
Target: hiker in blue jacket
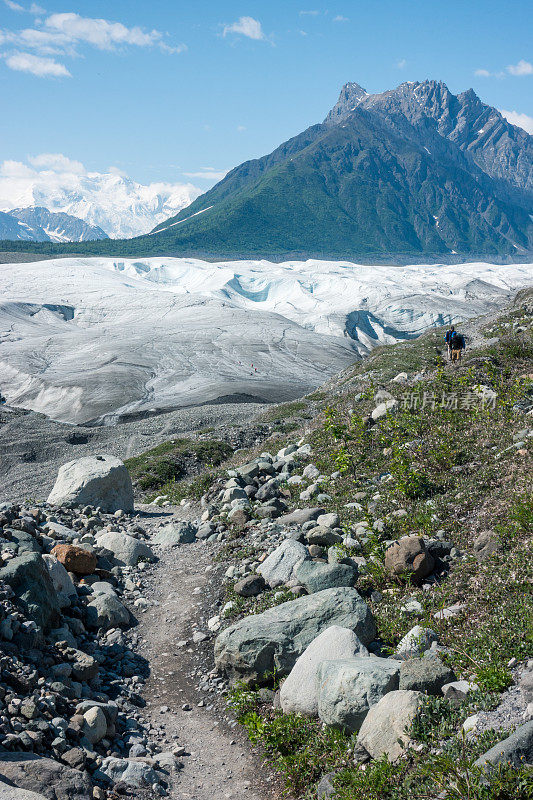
(457, 345)
(448, 339)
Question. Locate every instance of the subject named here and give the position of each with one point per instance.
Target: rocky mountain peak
(350, 96)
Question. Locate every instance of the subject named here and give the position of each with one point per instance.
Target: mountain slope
(57, 227)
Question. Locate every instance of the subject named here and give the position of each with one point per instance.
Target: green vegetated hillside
(449, 462)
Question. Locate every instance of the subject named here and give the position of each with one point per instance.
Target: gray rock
(458, 690)
(84, 666)
(250, 586)
(133, 773)
(301, 515)
(317, 575)
(44, 776)
(279, 567)
(348, 688)
(299, 692)
(96, 481)
(328, 520)
(59, 576)
(127, 550)
(325, 788)
(106, 611)
(259, 644)
(517, 749)
(385, 730)
(95, 725)
(416, 642)
(324, 537)
(28, 577)
(175, 533)
(205, 530)
(10, 793)
(427, 674)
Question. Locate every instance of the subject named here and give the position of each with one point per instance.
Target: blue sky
(179, 89)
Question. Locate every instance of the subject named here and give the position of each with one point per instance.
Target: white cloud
(208, 174)
(516, 118)
(37, 65)
(309, 13)
(246, 26)
(401, 63)
(33, 9)
(522, 68)
(100, 32)
(340, 18)
(14, 6)
(241, 128)
(61, 34)
(482, 73)
(57, 162)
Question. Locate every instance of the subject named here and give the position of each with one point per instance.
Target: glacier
(101, 340)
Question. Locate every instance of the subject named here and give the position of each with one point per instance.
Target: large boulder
(44, 776)
(272, 641)
(95, 481)
(409, 559)
(28, 576)
(280, 566)
(127, 550)
(75, 559)
(299, 692)
(385, 730)
(316, 575)
(347, 689)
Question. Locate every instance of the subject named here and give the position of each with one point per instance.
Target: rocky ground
(340, 615)
(33, 447)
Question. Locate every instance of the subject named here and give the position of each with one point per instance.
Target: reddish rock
(75, 559)
(408, 558)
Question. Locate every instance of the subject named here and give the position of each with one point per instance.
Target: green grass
(162, 466)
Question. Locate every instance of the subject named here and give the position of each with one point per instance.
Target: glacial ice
(95, 339)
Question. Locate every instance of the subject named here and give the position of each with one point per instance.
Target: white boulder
(385, 730)
(95, 481)
(299, 693)
(281, 564)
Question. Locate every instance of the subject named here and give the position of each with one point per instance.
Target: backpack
(448, 336)
(457, 342)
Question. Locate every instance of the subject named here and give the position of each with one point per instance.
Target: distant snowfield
(94, 339)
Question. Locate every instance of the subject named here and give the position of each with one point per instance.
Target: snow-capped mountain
(94, 339)
(118, 205)
(40, 225)
(57, 226)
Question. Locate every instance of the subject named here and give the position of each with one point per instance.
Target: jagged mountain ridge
(502, 150)
(37, 224)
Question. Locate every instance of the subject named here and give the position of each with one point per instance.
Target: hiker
(447, 339)
(457, 345)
